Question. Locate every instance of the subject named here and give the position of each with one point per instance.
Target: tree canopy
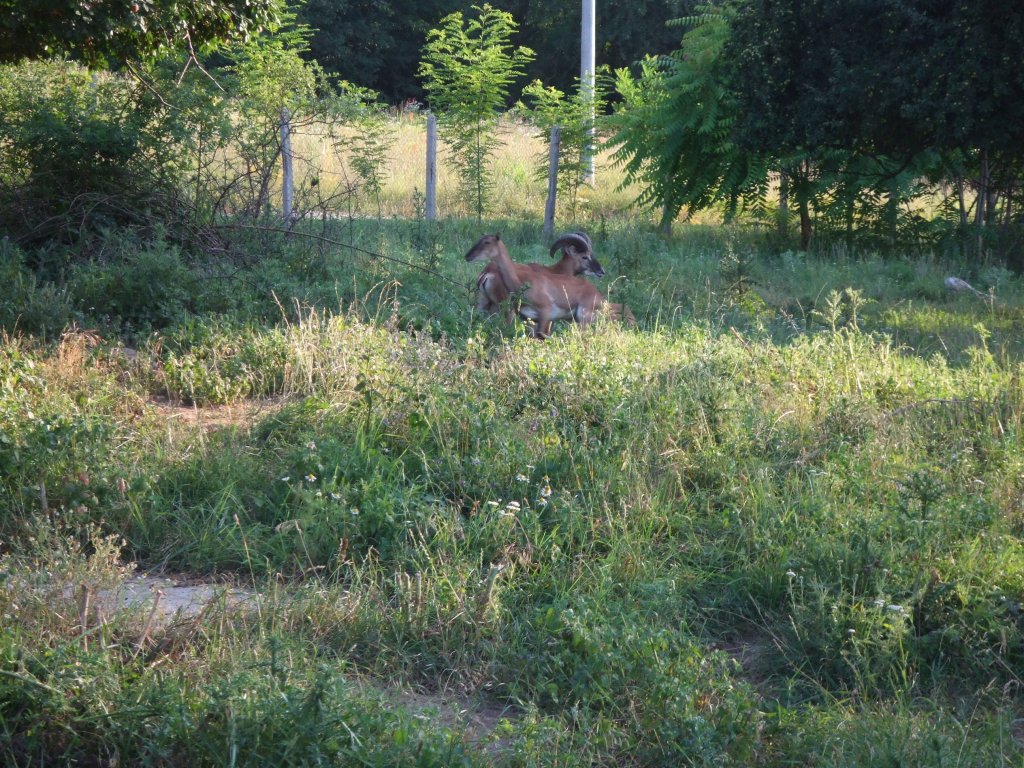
(104, 31)
(377, 44)
(854, 108)
(891, 77)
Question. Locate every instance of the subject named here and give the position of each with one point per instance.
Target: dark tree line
(378, 44)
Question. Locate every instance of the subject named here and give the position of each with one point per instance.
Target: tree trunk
(668, 215)
(805, 223)
(783, 204)
(980, 212)
(959, 182)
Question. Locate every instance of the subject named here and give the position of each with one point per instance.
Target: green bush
(29, 305)
(142, 287)
(78, 155)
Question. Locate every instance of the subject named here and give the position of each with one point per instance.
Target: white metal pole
(431, 201)
(587, 69)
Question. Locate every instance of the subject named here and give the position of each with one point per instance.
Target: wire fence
(325, 170)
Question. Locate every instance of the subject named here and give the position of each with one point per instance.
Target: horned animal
(545, 297)
(577, 259)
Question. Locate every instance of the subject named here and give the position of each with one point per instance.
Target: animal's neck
(565, 266)
(503, 262)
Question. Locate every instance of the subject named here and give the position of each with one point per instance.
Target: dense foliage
(857, 112)
(112, 32)
(889, 77)
(674, 128)
(377, 44)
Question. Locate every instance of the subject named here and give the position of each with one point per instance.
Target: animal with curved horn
(577, 259)
(545, 297)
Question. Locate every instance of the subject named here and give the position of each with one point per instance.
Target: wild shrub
(29, 305)
(140, 287)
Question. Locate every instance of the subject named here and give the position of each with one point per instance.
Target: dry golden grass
(520, 191)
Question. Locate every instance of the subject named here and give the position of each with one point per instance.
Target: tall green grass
(778, 523)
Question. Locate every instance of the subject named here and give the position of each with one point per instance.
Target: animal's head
(486, 248)
(577, 246)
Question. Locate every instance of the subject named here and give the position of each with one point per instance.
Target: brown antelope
(545, 297)
(577, 259)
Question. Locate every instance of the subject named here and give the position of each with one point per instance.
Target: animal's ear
(497, 236)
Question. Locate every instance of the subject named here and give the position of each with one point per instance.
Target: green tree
(271, 78)
(548, 107)
(367, 137)
(164, 154)
(467, 69)
(377, 44)
(673, 128)
(106, 31)
(374, 43)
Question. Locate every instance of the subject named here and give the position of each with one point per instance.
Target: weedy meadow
(777, 523)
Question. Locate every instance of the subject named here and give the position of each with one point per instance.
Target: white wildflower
(545, 490)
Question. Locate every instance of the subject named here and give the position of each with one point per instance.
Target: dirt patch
(171, 601)
(477, 719)
(209, 418)
(754, 655)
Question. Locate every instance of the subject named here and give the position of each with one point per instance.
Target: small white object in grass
(958, 285)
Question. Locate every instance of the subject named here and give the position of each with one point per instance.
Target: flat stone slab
(172, 597)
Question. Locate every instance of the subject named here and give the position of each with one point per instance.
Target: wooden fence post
(288, 188)
(431, 197)
(549, 206)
